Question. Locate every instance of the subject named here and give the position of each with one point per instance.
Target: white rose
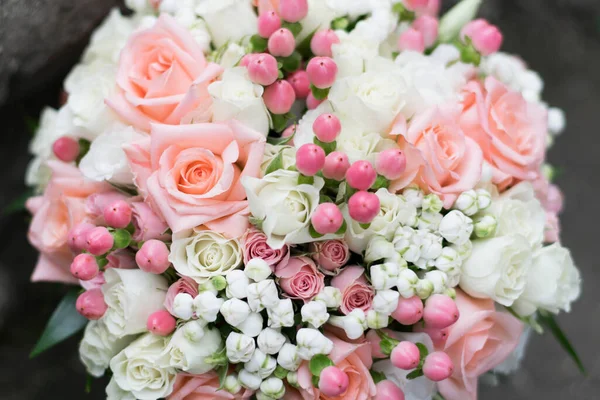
(319, 17)
(232, 55)
(282, 315)
(184, 14)
(139, 368)
(106, 160)
(98, 346)
(228, 20)
(352, 53)
(202, 254)
(131, 295)
(518, 211)
(553, 282)
(270, 341)
(114, 392)
(109, 38)
(288, 156)
(235, 96)
(189, 353)
(40, 146)
(497, 269)
(239, 347)
(359, 145)
(283, 206)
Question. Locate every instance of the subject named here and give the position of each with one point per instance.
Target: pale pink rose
(184, 285)
(355, 359)
(481, 339)
(330, 255)
(553, 201)
(300, 279)
(254, 245)
(356, 292)
(203, 387)
(147, 224)
(123, 259)
(510, 131)
(62, 206)
(162, 76)
(192, 173)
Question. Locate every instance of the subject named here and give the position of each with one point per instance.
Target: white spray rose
(207, 305)
(114, 392)
(249, 380)
(262, 295)
(257, 269)
(40, 146)
(379, 248)
(386, 301)
(273, 388)
(553, 282)
(261, 364)
(497, 269)
(132, 295)
(377, 320)
(354, 324)
(98, 346)
(384, 276)
(187, 352)
(202, 254)
(228, 20)
(252, 326)
(331, 296)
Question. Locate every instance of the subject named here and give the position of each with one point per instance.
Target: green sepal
(222, 373)
(313, 233)
(327, 147)
(84, 147)
(280, 372)
(306, 180)
(291, 63)
(342, 229)
(320, 94)
(417, 373)
(276, 164)
(259, 44)
(381, 183)
(377, 376)
(294, 27)
(318, 363)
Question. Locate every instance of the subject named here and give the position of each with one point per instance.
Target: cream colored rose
(98, 346)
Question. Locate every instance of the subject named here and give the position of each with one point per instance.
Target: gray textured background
(40, 39)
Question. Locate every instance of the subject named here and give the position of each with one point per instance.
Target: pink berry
(118, 214)
(375, 341)
(333, 382)
(438, 336)
(300, 82)
(153, 257)
(268, 22)
(336, 166)
(66, 149)
(409, 311)
(438, 366)
(327, 127)
(99, 241)
(310, 159)
(84, 267)
(279, 97)
(263, 69)
(293, 10)
(486, 38)
(473, 28)
(406, 356)
(246, 60)
(322, 41)
(440, 312)
(428, 26)
(322, 72)
(161, 323)
(388, 390)
(411, 40)
(361, 175)
(363, 207)
(78, 236)
(327, 218)
(282, 43)
(91, 304)
(289, 131)
(414, 5)
(312, 102)
(391, 163)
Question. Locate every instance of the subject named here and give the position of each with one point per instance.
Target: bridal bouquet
(299, 199)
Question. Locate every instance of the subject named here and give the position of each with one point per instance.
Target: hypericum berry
(322, 41)
(268, 22)
(411, 40)
(118, 214)
(263, 69)
(282, 43)
(322, 72)
(333, 382)
(279, 97)
(161, 323)
(77, 238)
(99, 241)
(310, 159)
(406, 356)
(327, 218)
(487, 38)
(336, 166)
(66, 149)
(391, 163)
(361, 175)
(438, 366)
(428, 26)
(440, 312)
(363, 207)
(293, 10)
(91, 304)
(85, 267)
(153, 257)
(409, 311)
(300, 82)
(312, 102)
(327, 127)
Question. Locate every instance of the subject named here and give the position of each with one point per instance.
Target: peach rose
(266, 5)
(62, 206)
(355, 359)
(300, 279)
(202, 387)
(356, 292)
(441, 159)
(163, 76)
(481, 339)
(510, 131)
(191, 173)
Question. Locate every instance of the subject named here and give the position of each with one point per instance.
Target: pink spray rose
(356, 292)
(330, 254)
(510, 130)
(191, 173)
(184, 285)
(203, 387)
(481, 339)
(552, 199)
(299, 278)
(147, 224)
(254, 245)
(62, 206)
(162, 76)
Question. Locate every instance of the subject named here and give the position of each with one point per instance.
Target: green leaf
(88, 383)
(280, 372)
(64, 323)
(377, 376)
(318, 363)
(422, 350)
(342, 229)
(438, 396)
(222, 372)
(340, 23)
(84, 147)
(313, 233)
(294, 27)
(324, 199)
(380, 182)
(306, 180)
(291, 63)
(548, 320)
(281, 141)
(304, 47)
(130, 191)
(276, 164)
(280, 121)
(327, 147)
(18, 204)
(417, 373)
(102, 261)
(320, 94)
(32, 125)
(259, 44)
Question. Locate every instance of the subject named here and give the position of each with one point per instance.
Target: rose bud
(327, 128)
(361, 175)
(300, 82)
(99, 241)
(327, 218)
(322, 41)
(282, 43)
(263, 69)
(279, 97)
(363, 207)
(310, 159)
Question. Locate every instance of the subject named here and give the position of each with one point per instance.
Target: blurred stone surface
(558, 38)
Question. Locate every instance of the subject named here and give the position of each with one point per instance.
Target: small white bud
(232, 385)
(282, 314)
(273, 387)
(262, 295)
(249, 380)
(235, 311)
(424, 288)
(292, 379)
(288, 357)
(239, 347)
(429, 220)
(379, 248)
(237, 284)
(183, 306)
(252, 326)
(406, 284)
(386, 301)
(257, 269)
(456, 227)
(331, 296)
(311, 342)
(484, 199)
(556, 120)
(354, 324)
(485, 226)
(464, 250)
(193, 331)
(439, 280)
(270, 341)
(377, 320)
(315, 313)
(431, 245)
(414, 195)
(384, 276)
(432, 204)
(467, 203)
(449, 261)
(207, 306)
(261, 364)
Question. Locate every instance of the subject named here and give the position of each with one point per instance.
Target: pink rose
(446, 162)
(147, 224)
(184, 285)
(191, 173)
(162, 76)
(510, 130)
(254, 245)
(481, 339)
(330, 254)
(355, 359)
(356, 292)
(62, 206)
(202, 387)
(299, 278)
